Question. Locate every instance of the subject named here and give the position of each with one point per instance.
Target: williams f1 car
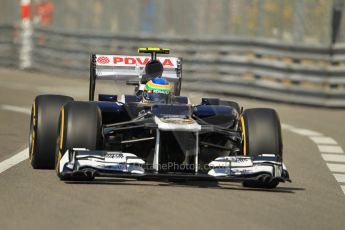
(127, 136)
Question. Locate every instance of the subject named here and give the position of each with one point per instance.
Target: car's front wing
(127, 165)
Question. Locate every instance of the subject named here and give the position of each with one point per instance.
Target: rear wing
(131, 69)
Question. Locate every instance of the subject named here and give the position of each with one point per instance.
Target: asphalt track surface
(37, 199)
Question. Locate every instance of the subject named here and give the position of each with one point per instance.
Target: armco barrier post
(26, 35)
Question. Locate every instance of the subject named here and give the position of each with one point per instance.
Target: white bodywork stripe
(123, 98)
(171, 126)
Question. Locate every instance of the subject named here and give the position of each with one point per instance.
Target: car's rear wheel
(261, 133)
(44, 129)
(80, 127)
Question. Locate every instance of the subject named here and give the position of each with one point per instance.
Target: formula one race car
(154, 133)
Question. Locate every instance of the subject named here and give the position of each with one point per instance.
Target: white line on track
(16, 109)
(339, 177)
(323, 140)
(333, 157)
(286, 126)
(304, 132)
(16, 159)
(336, 167)
(330, 149)
(21, 156)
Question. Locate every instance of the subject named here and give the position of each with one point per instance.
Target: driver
(157, 90)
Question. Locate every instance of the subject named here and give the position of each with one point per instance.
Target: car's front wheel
(80, 127)
(261, 133)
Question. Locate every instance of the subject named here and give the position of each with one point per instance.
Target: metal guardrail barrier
(8, 50)
(313, 75)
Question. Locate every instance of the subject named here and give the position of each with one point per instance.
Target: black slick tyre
(44, 129)
(80, 127)
(261, 133)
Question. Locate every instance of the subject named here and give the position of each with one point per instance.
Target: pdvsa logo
(140, 61)
(103, 60)
(131, 61)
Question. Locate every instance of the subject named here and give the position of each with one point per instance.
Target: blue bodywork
(113, 112)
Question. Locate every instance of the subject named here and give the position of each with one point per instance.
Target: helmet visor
(156, 97)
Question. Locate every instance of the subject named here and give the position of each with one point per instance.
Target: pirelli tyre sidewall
(80, 126)
(44, 129)
(261, 133)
